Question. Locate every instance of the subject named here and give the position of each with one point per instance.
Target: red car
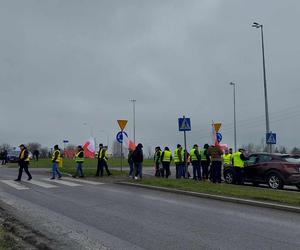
(276, 170)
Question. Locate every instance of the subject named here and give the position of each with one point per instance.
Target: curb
(217, 197)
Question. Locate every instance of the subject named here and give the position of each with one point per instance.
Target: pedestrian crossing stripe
(67, 183)
(14, 184)
(25, 185)
(84, 181)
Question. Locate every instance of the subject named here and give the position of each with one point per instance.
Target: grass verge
(245, 192)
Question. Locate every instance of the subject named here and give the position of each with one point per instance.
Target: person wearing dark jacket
(130, 162)
(23, 163)
(205, 161)
(196, 162)
(157, 155)
(138, 161)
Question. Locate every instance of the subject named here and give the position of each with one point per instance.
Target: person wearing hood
(157, 155)
(138, 158)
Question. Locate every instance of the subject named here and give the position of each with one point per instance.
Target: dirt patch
(16, 236)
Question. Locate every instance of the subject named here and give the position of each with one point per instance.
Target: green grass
(246, 192)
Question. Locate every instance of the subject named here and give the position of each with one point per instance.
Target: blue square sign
(271, 138)
(184, 124)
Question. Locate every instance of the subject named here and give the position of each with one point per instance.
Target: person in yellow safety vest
(103, 158)
(157, 155)
(23, 163)
(179, 161)
(205, 161)
(239, 159)
(196, 163)
(55, 161)
(166, 158)
(79, 159)
(227, 158)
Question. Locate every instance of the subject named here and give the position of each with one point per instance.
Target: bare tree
(5, 146)
(34, 146)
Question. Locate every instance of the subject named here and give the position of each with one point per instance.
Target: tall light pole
(133, 106)
(234, 115)
(260, 26)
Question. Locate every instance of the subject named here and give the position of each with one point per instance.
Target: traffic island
(262, 197)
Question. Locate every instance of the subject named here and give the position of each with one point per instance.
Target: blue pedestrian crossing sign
(184, 124)
(271, 138)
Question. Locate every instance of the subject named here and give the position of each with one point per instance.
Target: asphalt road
(109, 216)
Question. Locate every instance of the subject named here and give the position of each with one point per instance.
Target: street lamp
(260, 26)
(234, 115)
(133, 104)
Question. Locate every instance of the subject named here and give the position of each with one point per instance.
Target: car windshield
(292, 159)
(13, 153)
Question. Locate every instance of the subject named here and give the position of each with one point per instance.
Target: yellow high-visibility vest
(167, 156)
(193, 154)
(227, 159)
(237, 161)
(58, 156)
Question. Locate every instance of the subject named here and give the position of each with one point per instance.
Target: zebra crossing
(48, 183)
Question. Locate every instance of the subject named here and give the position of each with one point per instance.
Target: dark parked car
(276, 170)
(13, 156)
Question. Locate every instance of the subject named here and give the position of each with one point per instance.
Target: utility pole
(234, 115)
(133, 106)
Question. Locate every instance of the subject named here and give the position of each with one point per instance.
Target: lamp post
(133, 106)
(260, 26)
(234, 115)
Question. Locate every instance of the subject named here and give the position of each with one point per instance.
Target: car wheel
(275, 181)
(229, 177)
(298, 186)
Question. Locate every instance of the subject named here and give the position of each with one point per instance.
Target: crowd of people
(206, 162)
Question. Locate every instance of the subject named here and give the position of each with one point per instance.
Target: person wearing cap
(138, 159)
(79, 159)
(55, 161)
(23, 163)
(238, 161)
(215, 152)
(166, 158)
(196, 163)
(179, 161)
(205, 161)
(157, 155)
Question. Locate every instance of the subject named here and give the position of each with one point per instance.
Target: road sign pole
(185, 155)
(122, 154)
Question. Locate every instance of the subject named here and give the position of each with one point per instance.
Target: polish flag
(127, 142)
(89, 148)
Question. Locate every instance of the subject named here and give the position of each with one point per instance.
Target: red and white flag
(89, 148)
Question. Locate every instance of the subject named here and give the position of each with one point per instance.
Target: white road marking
(41, 184)
(14, 184)
(67, 183)
(84, 181)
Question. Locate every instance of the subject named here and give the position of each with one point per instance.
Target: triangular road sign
(122, 124)
(217, 126)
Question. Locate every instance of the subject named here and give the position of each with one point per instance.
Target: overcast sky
(65, 63)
